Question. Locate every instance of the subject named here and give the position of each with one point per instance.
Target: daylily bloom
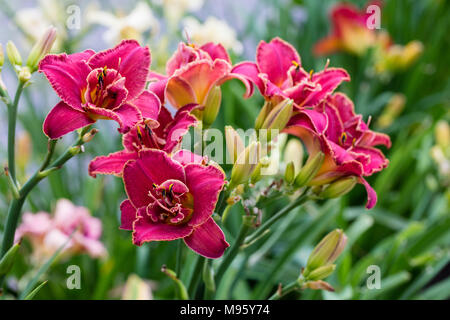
(279, 75)
(350, 32)
(105, 85)
(165, 134)
(192, 72)
(347, 142)
(173, 198)
(70, 225)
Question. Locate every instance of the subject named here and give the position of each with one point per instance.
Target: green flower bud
(245, 164)
(339, 187)
(321, 272)
(24, 74)
(208, 276)
(309, 170)
(293, 152)
(278, 117)
(235, 145)
(41, 48)
(289, 174)
(327, 251)
(7, 262)
(13, 54)
(262, 115)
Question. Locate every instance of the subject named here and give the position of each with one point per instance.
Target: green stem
(296, 285)
(16, 205)
(12, 121)
(195, 276)
(179, 256)
(245, 227)
(266, 225)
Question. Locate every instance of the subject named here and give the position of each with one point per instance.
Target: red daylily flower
(173, 198)
(164, 134)
(192, 72)
(104, 85)
(279, 75)
(344, 138)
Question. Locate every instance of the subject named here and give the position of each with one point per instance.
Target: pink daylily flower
(165, 134)
(192, 72)
(173, 198)
(350, 32)
(344, 138)
(279, 75)
(70, 225)
(105, 85)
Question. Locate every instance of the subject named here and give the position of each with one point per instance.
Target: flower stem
(195, 276)
(295, 285)
(16, 205)
(266, 225)
(179, 256)
(234, 250)
(12, 120)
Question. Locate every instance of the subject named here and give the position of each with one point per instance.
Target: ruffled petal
(131, 60)
(275, 58)
(126, 116)
(207, 240)
(67, 75)
(216, 51)
(148, 104)
(128, 215)
(185, 157)
(205, 184)
(146, 230)
(371, 194)
(250, 71)
(177, 129)
(111, 164)
(63, 119)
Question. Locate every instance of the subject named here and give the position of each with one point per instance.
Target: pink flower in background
(350, 32)
(165, 134)
(279, 75)
(344, 138)
(173, 198)
(192, 72)
(105, 85)
(70, 225)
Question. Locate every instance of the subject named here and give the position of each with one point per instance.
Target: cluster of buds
(320, 263)
(39, 50)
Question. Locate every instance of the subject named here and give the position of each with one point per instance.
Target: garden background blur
(407, 233)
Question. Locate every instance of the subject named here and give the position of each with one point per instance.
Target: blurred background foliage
(406, 234)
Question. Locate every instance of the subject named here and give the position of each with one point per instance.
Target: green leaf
(31, 295)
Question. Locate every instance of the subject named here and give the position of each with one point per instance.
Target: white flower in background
(35, 21)
(131, 26)
(174, 10)
(212, 30)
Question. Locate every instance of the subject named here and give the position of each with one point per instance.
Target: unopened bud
(442, 134)
(321, 272)
(212, 106)
(24, 74)
(245, 164)
(289, 174)
(208, 277)
(235, 145)
(318, 285)
(293, 152)
(309, 170)
(327, 251)
(41, 48)
(410, 53)
(90, 135)
(339, 187)
(257, 173)
(13, 54)
(262, 115)
(277, 118)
